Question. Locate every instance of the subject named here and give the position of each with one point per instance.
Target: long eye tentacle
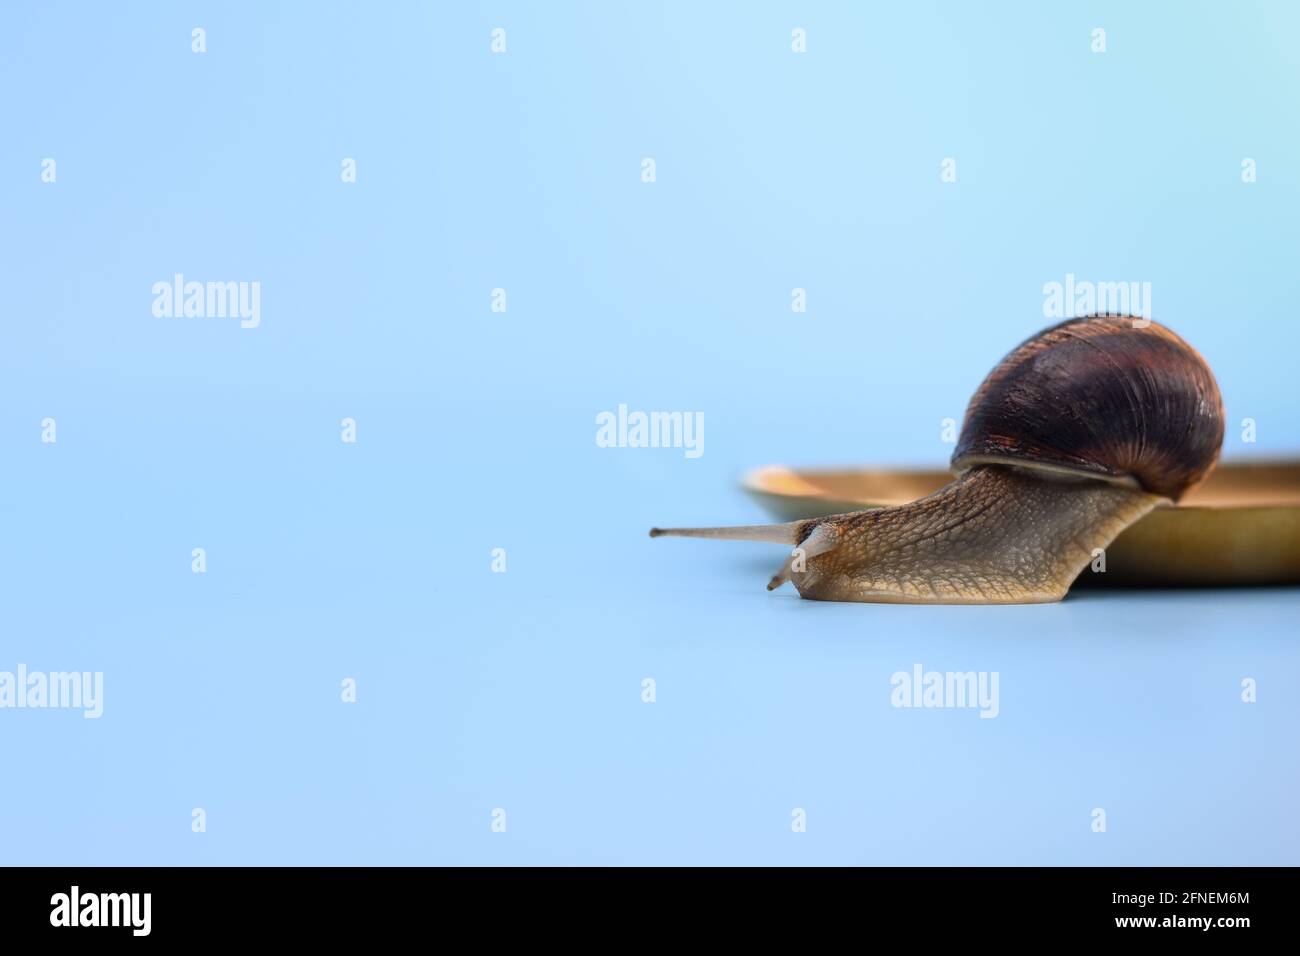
(788, 533)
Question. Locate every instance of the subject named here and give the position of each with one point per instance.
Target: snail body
(1076, 434)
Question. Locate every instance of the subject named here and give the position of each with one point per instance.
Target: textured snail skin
(1080, 431)
(996, 535)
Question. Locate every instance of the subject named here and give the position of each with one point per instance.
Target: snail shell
(1111, 397)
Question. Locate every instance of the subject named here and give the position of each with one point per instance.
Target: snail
(1077, 433)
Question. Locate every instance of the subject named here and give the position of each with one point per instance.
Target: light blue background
(476, 429)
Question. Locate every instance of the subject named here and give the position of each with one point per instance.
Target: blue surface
(371, 560)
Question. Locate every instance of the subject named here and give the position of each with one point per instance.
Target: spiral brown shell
(1099, 396)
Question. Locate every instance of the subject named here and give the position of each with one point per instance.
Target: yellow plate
(1242, 526)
